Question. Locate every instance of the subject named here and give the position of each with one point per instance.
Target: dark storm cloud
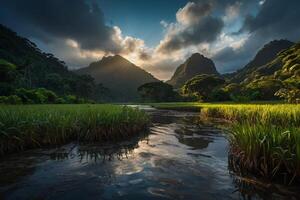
(72, 19)
(228, 59)
(205, 31)
(276, 19)
(194, 25)
(144, 56)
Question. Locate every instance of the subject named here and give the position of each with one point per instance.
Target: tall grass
(269, 151)
(265, 138)
(278, 114)
(28, 126)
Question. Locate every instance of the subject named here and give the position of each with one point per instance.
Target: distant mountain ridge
(263, 56)
(119, 75)
(285, 66)
(197, 64)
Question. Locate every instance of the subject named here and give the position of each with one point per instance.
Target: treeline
(16, 87)
(213, 88)
(40, 96)
(278, 79)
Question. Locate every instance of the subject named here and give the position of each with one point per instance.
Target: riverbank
(265, 137)
(29, 126)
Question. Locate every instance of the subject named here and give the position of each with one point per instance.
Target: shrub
(38, 96)
(202, 86)
(157, 92)
(289, 95)
(12, 99)
(70, 99)
(60, 101)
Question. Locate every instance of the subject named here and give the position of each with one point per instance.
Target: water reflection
(98, 152)
(177, 160)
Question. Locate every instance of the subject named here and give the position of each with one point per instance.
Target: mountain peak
(119, 75)
(196, 64)
(265, 55)
(116, 59)
(269, 51)
(196, 55)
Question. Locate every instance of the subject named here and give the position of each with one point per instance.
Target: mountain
(280, 77)
(285, 67)
(21, 51)
(197, 64)
(264, 56)
(119, 75)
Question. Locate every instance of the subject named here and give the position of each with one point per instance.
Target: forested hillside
(24, 65)
(262, 79)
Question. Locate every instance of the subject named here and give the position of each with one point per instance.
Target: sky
(157, 35)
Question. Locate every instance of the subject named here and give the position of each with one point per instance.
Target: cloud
(192, 13)
(194, 25)
(232, 11)
(76, 20)
(276, 18)
(76, 31)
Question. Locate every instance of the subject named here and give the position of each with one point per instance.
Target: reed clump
(265, 139)
(29, 126)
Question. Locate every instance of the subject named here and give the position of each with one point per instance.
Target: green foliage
(289, 95)
(261, 82)
(54, 82)
(12, 99)
(265, 88)
(264, 138)
(219, 94)
(8, 75)
(23, 65)
(201, 87)
(41, 96)
(157, 92)
(38, 96)
(7, 71)
(29, 126)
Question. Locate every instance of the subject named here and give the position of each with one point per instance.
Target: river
(179, 158)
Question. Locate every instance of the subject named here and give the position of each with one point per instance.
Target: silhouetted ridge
(119, 75)
(263, 56)
(195, 65)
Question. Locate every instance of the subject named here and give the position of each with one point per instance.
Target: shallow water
(177, 159)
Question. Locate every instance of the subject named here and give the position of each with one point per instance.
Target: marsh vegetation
(264, 138)
(32, 126)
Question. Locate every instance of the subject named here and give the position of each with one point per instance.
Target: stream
(177, 159)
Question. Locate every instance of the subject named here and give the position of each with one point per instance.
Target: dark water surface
(178, 159)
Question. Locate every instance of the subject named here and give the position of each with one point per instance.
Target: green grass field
(29, 126)
(264, 136)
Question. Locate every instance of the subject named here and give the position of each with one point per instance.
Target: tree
(54, 81)
(289, 95)
(8, 75)
(39, 95)
(157, 92)
(202, 86)
(82, 86)
(263, 89)
(102, 94)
